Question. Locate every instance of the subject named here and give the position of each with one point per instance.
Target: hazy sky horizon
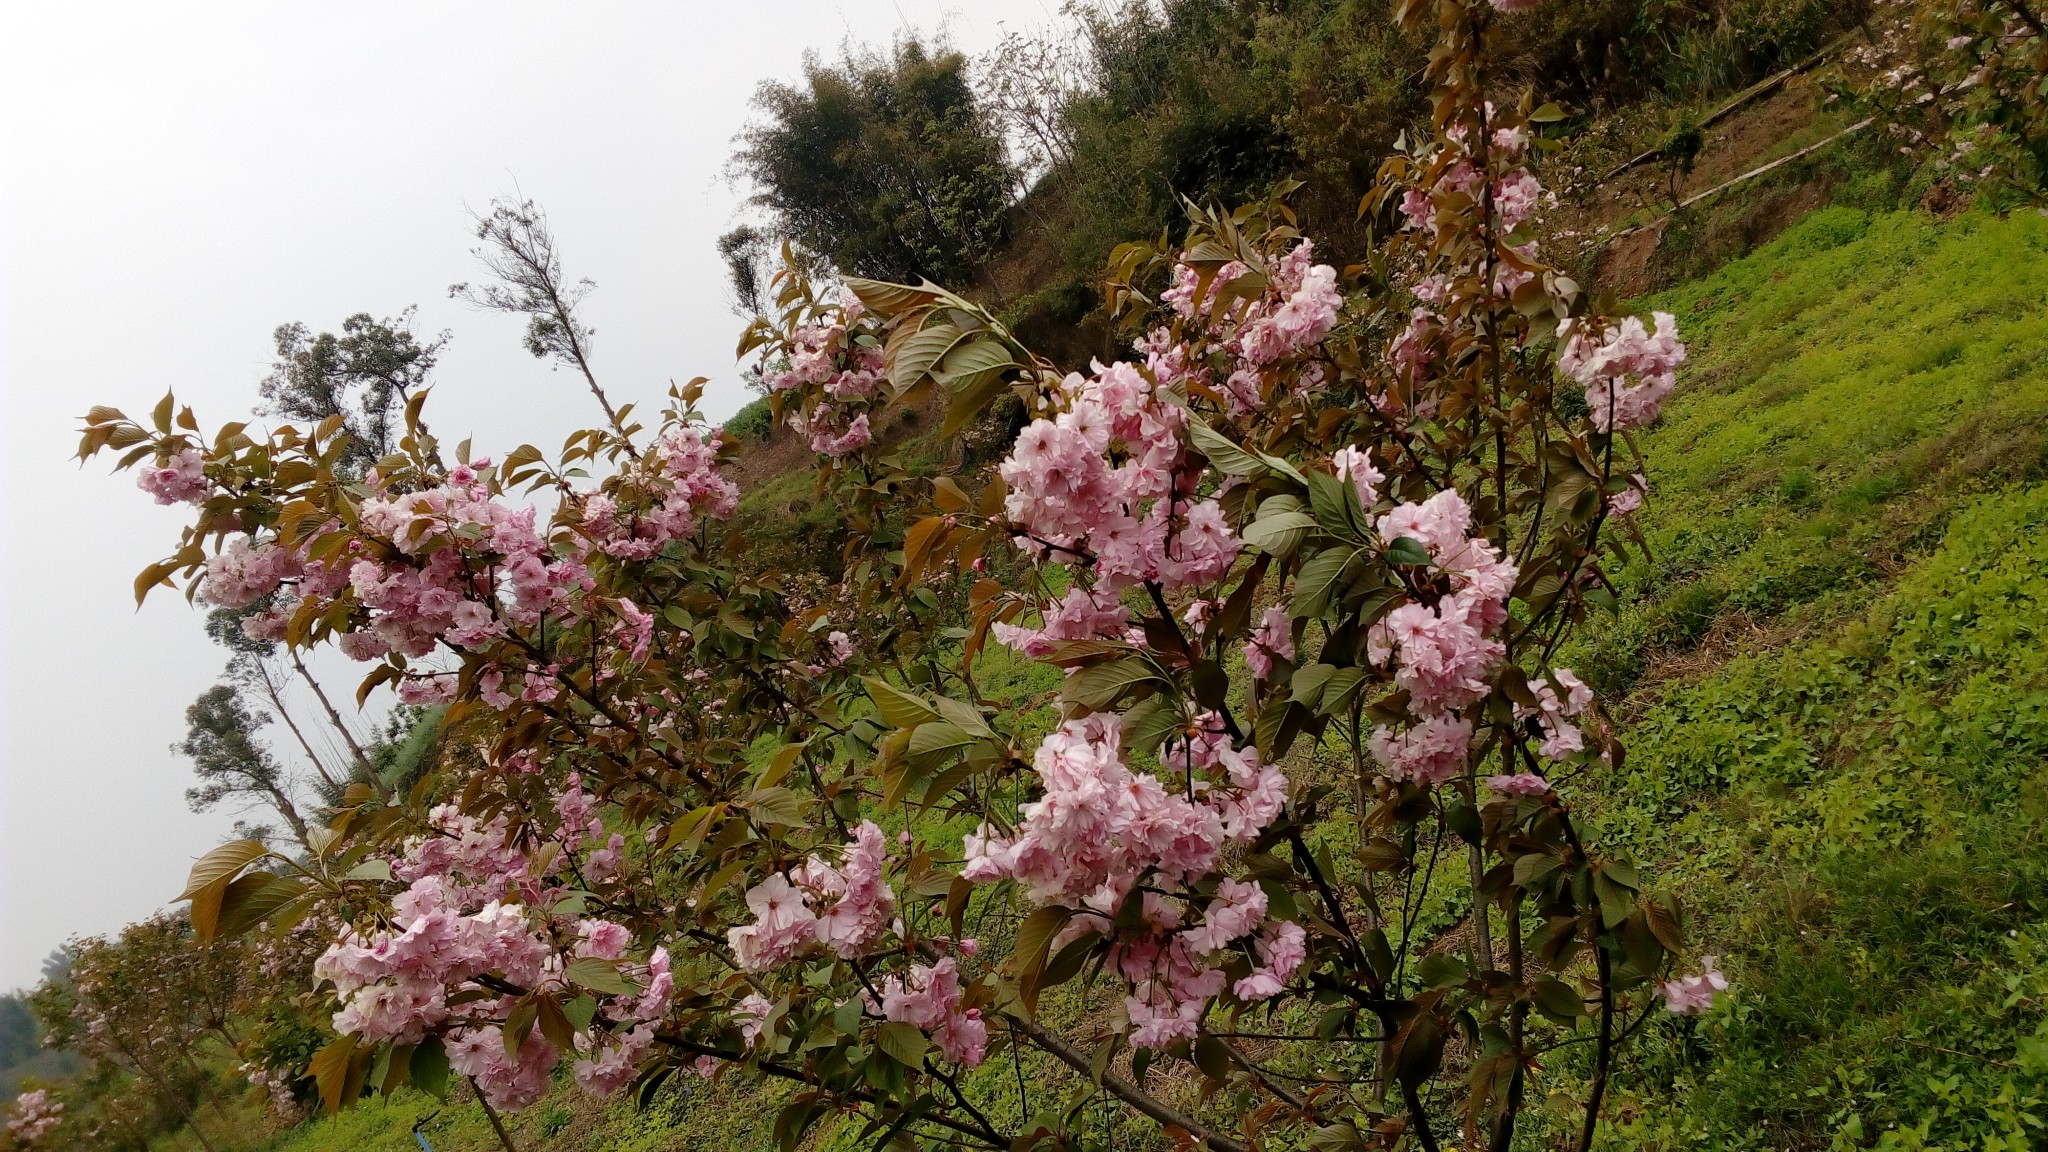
(175, 182)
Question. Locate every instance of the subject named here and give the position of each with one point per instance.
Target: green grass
(1840, 714)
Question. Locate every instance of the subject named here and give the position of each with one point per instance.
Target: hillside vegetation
(1826, 664)
(1836, 696)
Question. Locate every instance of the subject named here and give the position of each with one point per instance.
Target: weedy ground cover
(1840, 690)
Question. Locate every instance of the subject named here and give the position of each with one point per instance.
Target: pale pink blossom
(1519, 784)
(929, 1000)
(1627, 370)
(1355, 465)
(1693, 995)
(181, 481)
(35, 1115)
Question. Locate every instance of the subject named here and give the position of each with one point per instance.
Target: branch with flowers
(1303, 563)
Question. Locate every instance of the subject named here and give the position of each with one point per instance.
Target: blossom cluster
(1100, 830)
(847, 909)
(1498, 180)
(452, 564)
(1627, 370)
(1078, 615)
(1107, 479)
(678, 482)
(397, 983)
(834, 371)
(1553, 712)
(180, 480)
(1694, 994)
(1443, 654)
(276, 1083)
(929, 999)
(1260, 342)
(35, 1114)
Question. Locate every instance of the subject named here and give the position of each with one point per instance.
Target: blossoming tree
(1303, 561)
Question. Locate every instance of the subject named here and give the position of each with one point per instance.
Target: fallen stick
(1759, 170)
(1760, 88)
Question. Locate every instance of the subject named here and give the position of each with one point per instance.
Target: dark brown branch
(1124, 1090)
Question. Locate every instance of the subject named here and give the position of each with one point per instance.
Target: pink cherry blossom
(929, 999)
(854, 906)
(1627, 370)
(1430, 751)
(1273, 639)
(1355, 465)
(1078, 615)
(751, 1014)
(35, 1114)
(182, 481)
(1519, 784)
(508, 1082)
(1694, 994)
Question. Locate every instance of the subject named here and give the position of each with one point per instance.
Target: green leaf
(1279, 534)
(1224, 453)
(903, 1042)
(372, 869)
(1148, 723)
(899, 709)
(1442, 970)
(913, 355)
(1408, 550)
(778, 768)
(217, 866)
(430, 1068)
(329, 1069)
(1334, 502)
(254, 898)
(1340, 691)
(936, 742)
(598, 976)
(964, 716)
(967, 362)
(886, 299)
(1066, 964)
(1102, 686)
(1339, 1137)
(1464, 820)
(1212, 1056)
(1555, 999)
(1616, 902)
(1309, 681)
(1378, 952)
(1316, 585)
(1622, 873)
(777, 805)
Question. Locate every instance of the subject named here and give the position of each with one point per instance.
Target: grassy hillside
(1840, 704)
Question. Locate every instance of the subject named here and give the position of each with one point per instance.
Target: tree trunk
(491, 1114)
(357, 749)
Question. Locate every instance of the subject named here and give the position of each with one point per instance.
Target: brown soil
(1630, 264)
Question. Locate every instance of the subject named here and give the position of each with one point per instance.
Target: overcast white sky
(177, 180)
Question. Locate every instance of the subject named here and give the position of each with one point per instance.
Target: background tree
(747, 251)
(231, 761)
(884, 163)
(147, 1008)
(364, 375)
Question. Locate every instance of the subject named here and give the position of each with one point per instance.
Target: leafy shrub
(752, 422)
